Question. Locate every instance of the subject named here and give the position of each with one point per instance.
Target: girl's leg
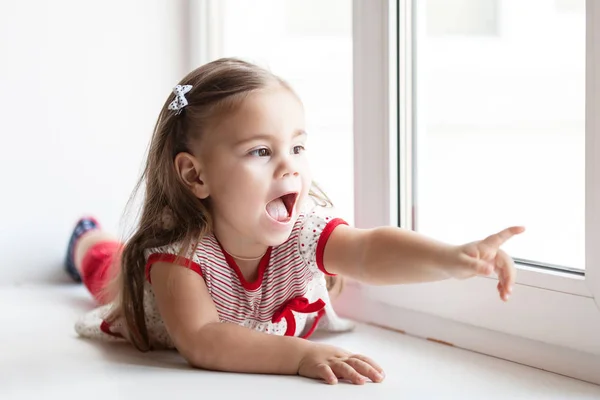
(91, 255)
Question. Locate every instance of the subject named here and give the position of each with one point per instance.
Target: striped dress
(289, 296)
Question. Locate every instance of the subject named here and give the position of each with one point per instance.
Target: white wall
(81, 83)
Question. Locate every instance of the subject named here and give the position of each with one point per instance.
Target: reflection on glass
(500, 123)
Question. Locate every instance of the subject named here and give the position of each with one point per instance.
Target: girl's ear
(189, 170)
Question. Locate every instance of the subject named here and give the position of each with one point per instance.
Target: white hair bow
(180, 100)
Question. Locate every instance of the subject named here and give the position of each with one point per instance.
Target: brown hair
(217, 87)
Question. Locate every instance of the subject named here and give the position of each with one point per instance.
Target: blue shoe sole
(83, 225)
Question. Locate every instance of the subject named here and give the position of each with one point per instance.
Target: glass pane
(500, 124)
(309, 44)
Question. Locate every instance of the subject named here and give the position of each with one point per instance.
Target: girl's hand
(330, 364)
(485, 257)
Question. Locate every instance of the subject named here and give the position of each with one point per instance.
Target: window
(427, 109)
(500, 126)
(461, 17)
(309, 44)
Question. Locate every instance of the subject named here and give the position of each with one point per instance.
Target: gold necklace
(247, 258)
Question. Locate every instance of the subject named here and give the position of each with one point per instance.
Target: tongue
(276, 209)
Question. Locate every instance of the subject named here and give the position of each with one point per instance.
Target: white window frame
(553, 319)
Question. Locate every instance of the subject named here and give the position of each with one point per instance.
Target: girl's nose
(287, 168)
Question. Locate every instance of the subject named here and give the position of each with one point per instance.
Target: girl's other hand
(330, 364)
(485, 257)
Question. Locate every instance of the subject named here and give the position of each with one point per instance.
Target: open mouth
(281, 209)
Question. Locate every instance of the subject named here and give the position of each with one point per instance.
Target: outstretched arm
(388, 256)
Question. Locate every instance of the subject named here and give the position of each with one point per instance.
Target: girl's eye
(298, 149)
(262, 152)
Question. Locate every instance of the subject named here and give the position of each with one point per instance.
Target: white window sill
(43, 358)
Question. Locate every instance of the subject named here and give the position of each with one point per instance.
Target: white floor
(42, 358)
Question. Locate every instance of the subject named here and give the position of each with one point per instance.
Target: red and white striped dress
(289, 297)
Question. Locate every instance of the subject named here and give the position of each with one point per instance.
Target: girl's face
(256, 171)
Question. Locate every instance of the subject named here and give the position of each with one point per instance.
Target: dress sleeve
(317, 226)
(172, 253)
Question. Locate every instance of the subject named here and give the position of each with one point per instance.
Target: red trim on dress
(301, 305)
(327, 231)
(314, 325)
(171, 258)
(105, 327)
(264, 263)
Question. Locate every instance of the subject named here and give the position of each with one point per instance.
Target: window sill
(467, 317)
(38, 322)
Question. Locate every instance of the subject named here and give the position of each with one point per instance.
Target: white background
(81, 84)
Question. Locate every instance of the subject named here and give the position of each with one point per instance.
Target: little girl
(229, 261)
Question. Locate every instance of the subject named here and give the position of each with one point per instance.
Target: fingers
(498, 239)
(370, 362)
(344, 371)
(501, 291)
(484, 268)
(356, 369)
(327, 374)
(365, 369)
(505, 268)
